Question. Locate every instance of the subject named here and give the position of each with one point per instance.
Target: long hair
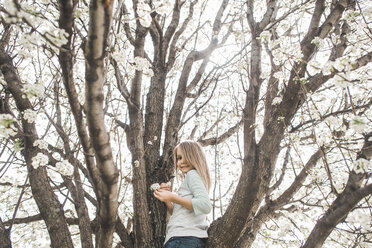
(193, 155)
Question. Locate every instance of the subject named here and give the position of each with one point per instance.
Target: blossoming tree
(94, 96)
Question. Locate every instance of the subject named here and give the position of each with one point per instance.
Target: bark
(66, 21)
(174, 120)
(154, 117)
(141, 220)
(259, 159)
(4, 236)
(353, 193)
(268, 210)
(339, 210)
(50, 208)
(149, 165)
(256, 171)
(106, 178)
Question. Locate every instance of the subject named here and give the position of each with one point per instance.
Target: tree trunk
(50, 208)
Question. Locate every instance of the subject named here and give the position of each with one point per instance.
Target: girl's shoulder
(192, 174)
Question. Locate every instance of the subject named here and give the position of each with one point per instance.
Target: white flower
(6, 125)
(136, 163)
(361, 165)
(33, 90)
(143, 11)
(126, 18)
(155, 186)
(343, 64)
(56, 156)
(360, 218)
(146, 20)
(39, 160)
(318, 42)
(328, 68)
(163, 7)
(265, 36)
(65, 168)
(29, 115)
(6, 120)
(57, 36)
(277, 100)
(142, 64)
(10, 7)
(155, 137)
(279, 75)
(150, 142)
(340, 80)
(358, 124)
(7, 132)
(41, 144)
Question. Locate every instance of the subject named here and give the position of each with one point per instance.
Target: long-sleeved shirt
(185, 222)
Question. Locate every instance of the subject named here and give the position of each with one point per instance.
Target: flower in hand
(163, 195)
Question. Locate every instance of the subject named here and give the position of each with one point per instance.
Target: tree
(155, 73)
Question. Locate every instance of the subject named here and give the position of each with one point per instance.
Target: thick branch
(66, 22)
(338, 211)
(107, 186)
(268, 210)
(222, 137)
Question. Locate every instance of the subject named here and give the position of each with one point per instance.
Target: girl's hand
(163, 195)
(165, 186)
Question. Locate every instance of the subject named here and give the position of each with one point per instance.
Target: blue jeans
(185, 242)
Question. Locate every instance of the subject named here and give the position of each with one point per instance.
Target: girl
(187, 226)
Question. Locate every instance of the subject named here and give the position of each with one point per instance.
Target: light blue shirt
(185, 222)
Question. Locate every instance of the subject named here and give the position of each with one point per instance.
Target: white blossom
(318, 42)
(279, 75)
(340, 80)
(328, 68)
(136, 163)
(265, 36)
(126, 18)
(6, 125)
(65, 168)
(29, 115)
(39, 160)
(163, 7)
(10, 7)
(41, 144)
(358, 124)
(360, 218)
(57, 36)
(6, 120)
(361, 165)
(155, 137)
(277, 100)
(155, 186)
(343, 64)
(33, 90)
(56, 156)
(142, 64)
(144, 11)
(150, 142)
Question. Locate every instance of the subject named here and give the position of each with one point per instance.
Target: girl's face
(184, 168)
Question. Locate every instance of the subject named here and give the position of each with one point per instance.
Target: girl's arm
(169, 198)
(169, 207)
(169, 204)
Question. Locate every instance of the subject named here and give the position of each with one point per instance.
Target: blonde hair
(194, 156)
